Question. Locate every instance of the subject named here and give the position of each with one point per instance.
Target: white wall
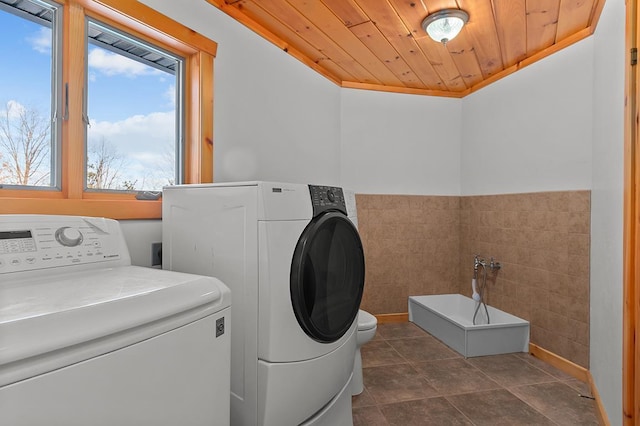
(531, 131)
(274, 118)
(400, 144)
(607, 209)
(139, 235)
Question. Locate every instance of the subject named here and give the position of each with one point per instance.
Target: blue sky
(130, 105)
(23, 76)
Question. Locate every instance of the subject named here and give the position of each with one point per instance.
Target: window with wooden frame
(130, 109)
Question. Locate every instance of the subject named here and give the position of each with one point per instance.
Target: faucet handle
(494, 265)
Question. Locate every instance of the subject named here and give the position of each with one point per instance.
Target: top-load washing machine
(88, 339)
(295, 265)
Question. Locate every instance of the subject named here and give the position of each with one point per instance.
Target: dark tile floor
(411, 378)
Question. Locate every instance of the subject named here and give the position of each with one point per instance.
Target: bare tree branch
(104, 164)
(4, 170)
(26, 143)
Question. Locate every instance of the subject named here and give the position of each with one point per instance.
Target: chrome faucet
(478, 261)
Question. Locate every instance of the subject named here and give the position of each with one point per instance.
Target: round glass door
(327, 277)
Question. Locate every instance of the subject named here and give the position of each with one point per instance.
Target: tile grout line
(532, 407)
(460, 411)
(414, 365)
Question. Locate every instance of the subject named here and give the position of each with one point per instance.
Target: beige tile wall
(425, 245)
(542, 241)
(411, 246)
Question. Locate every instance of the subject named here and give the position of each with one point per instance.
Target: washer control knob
(68, 237)
(331, 196)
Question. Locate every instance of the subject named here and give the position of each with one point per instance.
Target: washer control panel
(325, 198)
(33, 242)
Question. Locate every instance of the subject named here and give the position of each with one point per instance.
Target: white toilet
(367, 325)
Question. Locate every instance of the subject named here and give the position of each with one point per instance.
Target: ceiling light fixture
(445, 24)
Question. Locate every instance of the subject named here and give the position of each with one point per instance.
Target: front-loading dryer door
(327, 277)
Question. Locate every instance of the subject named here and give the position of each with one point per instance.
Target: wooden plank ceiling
(380, 44)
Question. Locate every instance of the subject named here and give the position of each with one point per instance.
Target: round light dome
(444, 25)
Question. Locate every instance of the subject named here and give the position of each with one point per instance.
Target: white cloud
(15, 108)
(170, 94)
(143, 141)
(145, 164)
(41, 40)
(112, 64)
(151, 126)
(142, 138)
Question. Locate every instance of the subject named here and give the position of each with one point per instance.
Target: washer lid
(46, 314)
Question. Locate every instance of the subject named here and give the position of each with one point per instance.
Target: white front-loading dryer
(311, 270)
(295, 264)
(88, 339)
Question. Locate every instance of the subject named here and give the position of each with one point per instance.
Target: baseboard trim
(602, 413)
(392, 318)
(560, 363)
(576, 371)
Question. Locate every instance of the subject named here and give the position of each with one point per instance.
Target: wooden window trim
(149, 25)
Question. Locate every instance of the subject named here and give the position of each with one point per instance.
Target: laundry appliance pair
(294, 262)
